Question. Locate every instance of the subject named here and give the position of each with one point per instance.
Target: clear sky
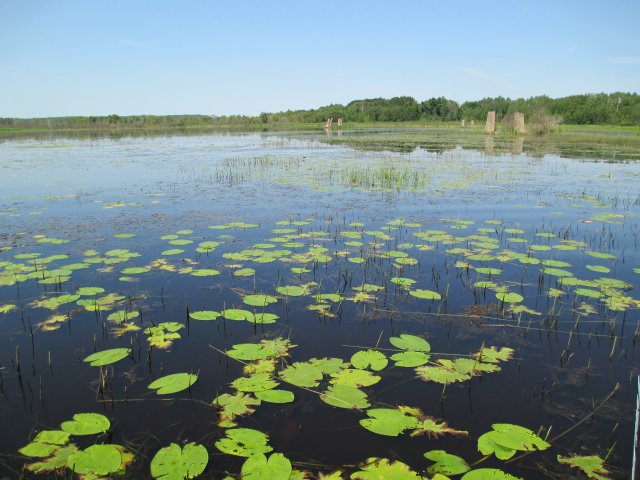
(97, 57)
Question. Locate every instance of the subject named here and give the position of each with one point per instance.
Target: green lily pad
(488, 474)
(96, 460)
(441, 375)
(243, 442)
(86, 424)
(388, 421)
(38, 449)
(505, 439)
(107, 357)
(257, 467)
(410, 342)
(601, 255)
(254, 383)
(344, 396)
(510, 297)
(56, 462)
(372, 359)
(238, 315)
(172, 251)
(204, 315)
(425, 294)
(173, 383)
(205, 272)
(302, 374)
(175, 463)
(410, 359)
(328, 365)
(275, 396)
(90, 291)
(383, 468)
(259, 300)
(354, 377)
(291, 291)
(244, 272)
(446, 463)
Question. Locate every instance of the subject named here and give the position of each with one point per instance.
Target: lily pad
(258, 467)
(488, 474)
(175, 463)
(173, 383)
(86, 424)
(388, 421)
(505, 439)
(302, 374)
(238, 314)
(259, 300)
(275, 396)
(446, 463)
(383, 468)
(291, 291)
(205, 315)
(344, 396)
(254, 383)
(373, 359)
(410, 359)
(96, 460)
(441, 375)
(107, 357)
(510, 297)
(410, 342)
(243, 442)
(354, 377)
(425, 294)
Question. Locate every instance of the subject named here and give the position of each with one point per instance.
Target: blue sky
(91, 57)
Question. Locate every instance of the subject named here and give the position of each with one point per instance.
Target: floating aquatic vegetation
(591, 465)
(174, 383)
(257, 467)
(506, 439)
(86, 424)
(176, 463)
(244, 442)
(446, 463)
(162, 335)
(107, 357)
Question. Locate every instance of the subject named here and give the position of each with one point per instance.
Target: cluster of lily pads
(265, 367)
(480, 258)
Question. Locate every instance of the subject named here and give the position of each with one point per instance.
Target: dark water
(570, 352)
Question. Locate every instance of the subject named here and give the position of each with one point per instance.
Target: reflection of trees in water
(569, 146)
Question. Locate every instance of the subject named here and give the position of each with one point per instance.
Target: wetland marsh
(374, 305)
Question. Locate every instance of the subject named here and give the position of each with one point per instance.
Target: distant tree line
(604, 109)
(130, 122)
(601, 108)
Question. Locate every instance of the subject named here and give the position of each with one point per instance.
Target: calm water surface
(79, 213)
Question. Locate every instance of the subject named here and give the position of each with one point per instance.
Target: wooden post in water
(328, 125)
(340, 121)
(490, 126)
(462, 123)
(518, 120)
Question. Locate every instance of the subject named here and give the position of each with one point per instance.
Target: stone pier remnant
(339, 121)
(490, 126)
(518, 122)
(329, 124)
(462, 123)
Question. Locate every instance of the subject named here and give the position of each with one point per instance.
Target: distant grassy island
(543, 115)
